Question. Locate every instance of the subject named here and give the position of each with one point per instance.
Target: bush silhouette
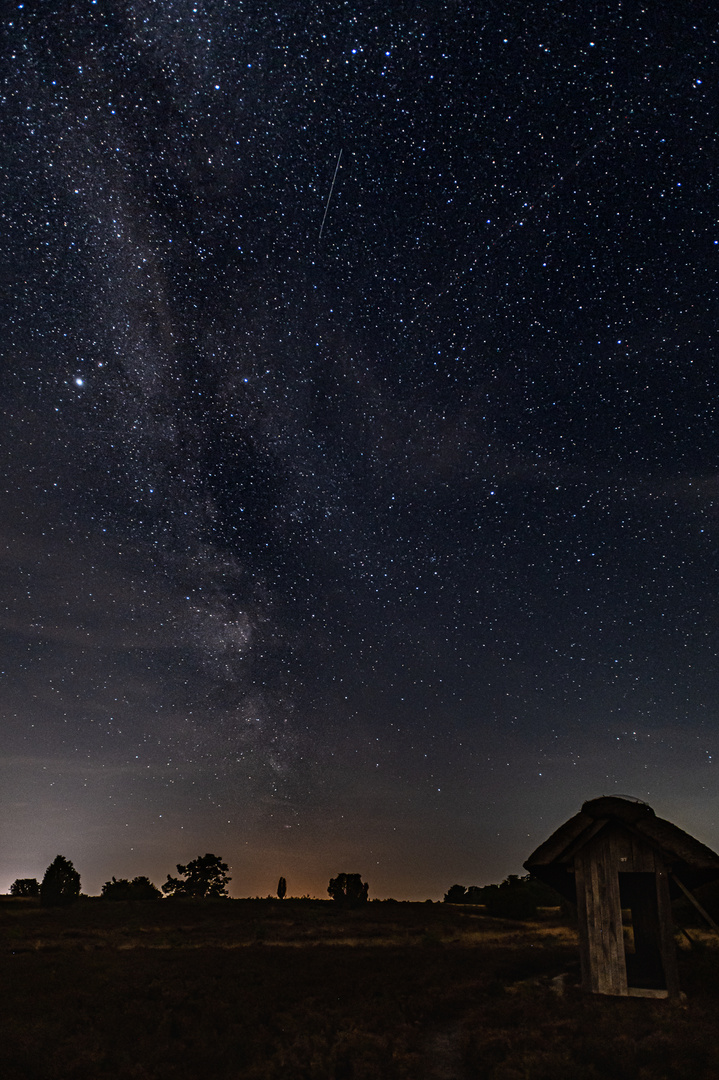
(25, 886)
(61, 884)
(348, 889)
(206, 878)
(140, 888)
(281, 888)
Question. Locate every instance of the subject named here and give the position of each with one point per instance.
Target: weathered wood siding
(604, 969)
(597, 868)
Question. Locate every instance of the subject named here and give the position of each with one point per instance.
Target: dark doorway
(638, 894)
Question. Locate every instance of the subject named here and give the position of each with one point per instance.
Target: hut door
(638, 893)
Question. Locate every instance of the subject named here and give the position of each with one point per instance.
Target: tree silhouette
(140, 888)
(61, 884)
(516, 898)
(206, 878)
(348, 889)
(25, 886)
(455, 894)
(281, 888)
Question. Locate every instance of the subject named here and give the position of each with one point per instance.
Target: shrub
(25, 886)
(140, 888)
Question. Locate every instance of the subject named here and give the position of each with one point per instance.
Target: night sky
(379, 550)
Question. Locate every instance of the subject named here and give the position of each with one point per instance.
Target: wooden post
(604, 969)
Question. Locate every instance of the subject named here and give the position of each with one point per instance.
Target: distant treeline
(520, 897)
(204, 878)
(516, 897)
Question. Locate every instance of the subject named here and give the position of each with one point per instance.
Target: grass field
(303, 989)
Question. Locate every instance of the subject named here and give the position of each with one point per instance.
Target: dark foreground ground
(253, 989)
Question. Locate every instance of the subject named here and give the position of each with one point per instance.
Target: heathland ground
(307, 990)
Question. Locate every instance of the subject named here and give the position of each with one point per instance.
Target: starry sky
(359, 450)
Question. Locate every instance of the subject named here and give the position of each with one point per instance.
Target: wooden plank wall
(631, 853)
(597, 867)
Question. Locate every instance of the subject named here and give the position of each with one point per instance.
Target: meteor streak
(332, 187)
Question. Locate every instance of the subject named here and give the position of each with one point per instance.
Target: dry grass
(239, 923)
(244, 990)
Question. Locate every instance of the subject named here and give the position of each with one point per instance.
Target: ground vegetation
(257, 990)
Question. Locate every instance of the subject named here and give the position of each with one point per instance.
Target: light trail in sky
(332, 187)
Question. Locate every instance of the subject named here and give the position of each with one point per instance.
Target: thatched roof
(691, 861)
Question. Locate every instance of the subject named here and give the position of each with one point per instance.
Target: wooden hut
(622, 865)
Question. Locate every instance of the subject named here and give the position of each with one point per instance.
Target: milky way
(365, 527)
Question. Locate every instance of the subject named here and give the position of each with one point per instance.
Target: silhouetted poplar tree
(61, 884)
(281, 888)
